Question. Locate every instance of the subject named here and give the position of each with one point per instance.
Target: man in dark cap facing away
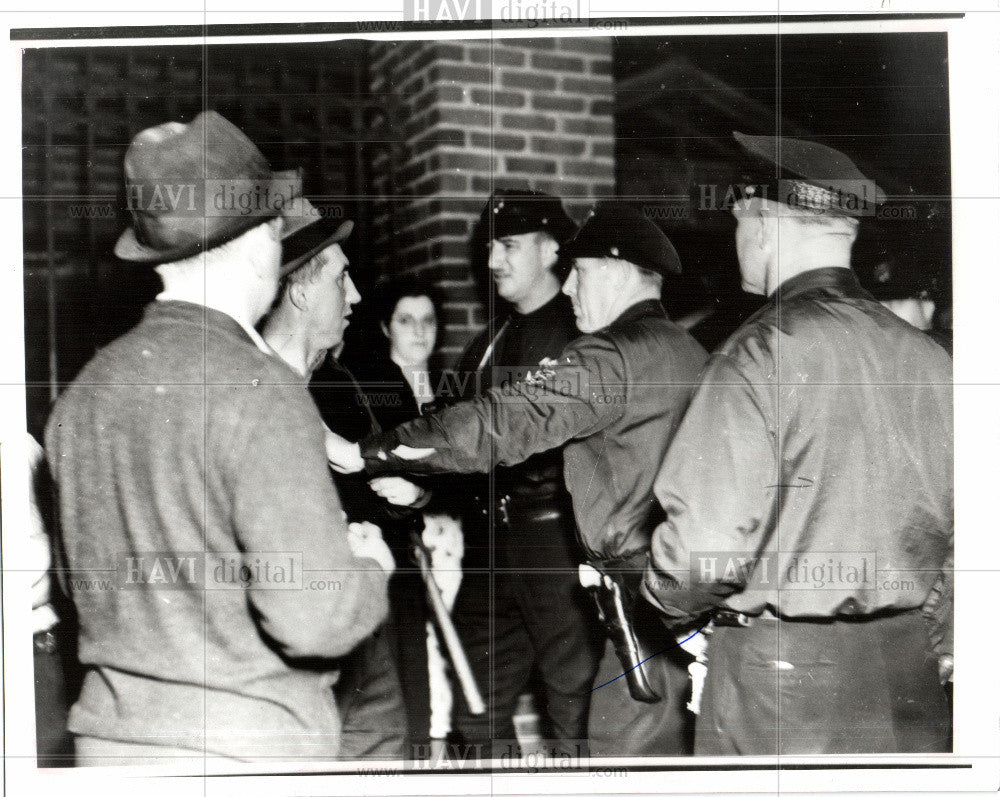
(808, 490)
(191, 466)
(612, 398)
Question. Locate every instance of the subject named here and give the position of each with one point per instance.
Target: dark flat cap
(808, 175)
(621, 231)
(511, 212)
(299, 248)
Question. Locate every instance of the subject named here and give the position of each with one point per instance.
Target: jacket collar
(647, 307)
(831, 281)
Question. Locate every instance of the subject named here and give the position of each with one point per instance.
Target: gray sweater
(204, 543)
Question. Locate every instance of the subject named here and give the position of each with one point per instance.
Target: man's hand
(442, 535)
(344, 456)
(589, 576)
(397, 490)
(946, 667)
(693, 642)
(365, 539)
(408, 453)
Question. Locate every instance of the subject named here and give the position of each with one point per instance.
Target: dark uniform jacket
(812, 475)
(613, 398)
(513, 344)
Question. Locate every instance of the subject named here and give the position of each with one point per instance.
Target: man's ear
(274, 227)
(762, 225)
(550, 249)
(298, 296)
(384, 328)
(618, 269)
(766, 221)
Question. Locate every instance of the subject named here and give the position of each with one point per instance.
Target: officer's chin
(750, 287)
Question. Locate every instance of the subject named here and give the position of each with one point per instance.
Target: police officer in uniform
(520, 605)
(612, 399)
(808, 491)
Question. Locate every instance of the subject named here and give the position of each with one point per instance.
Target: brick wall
(479, 115)
(82, 108)
(301, 104)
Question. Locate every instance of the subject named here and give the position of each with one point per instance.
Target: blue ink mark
(678, 644)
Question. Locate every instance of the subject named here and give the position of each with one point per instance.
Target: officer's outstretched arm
(578, 394)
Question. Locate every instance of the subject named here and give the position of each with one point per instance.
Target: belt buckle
(730, 619)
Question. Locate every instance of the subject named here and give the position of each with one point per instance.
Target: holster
(611, 607)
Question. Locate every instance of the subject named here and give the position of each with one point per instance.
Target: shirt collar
(540, 312)
(251, 333)
(838, 281)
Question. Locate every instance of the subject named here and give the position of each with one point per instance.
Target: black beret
(616, 230)
(510, 212)
(808, 175)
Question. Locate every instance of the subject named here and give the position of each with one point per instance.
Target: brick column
(479, 115)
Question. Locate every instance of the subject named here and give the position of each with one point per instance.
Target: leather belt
(729, 619)
(540, 511)
(732, 619)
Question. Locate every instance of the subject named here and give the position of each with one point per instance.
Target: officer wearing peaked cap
(514, 212)
(527, 612)
(822, 428)
(612, 398)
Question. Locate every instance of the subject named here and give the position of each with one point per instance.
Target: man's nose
(569, 286)
(496, 255)
(353, 297)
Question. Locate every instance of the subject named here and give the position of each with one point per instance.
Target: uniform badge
(545, 371)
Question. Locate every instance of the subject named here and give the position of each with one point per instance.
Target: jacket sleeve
(574, 396)
(284, 503)
(716, 486)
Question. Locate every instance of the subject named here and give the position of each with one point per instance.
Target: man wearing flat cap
(316, 296)
(612, 399)
(191, 468)
(808, 490)
(520, 607)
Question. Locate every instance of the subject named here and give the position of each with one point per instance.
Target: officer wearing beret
(808, 491)
(520, 606)
(612, 398)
